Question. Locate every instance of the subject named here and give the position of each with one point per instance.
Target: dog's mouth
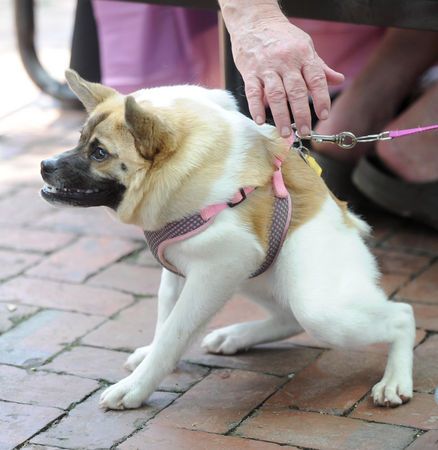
(53, 191)
(110, 195)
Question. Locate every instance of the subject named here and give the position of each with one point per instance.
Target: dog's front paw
(126, 394)
(221, 341)
(136, 358)
(393, 391)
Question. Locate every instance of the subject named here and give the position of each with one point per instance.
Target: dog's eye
(99, 154)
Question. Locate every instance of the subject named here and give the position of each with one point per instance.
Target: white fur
(324, 281)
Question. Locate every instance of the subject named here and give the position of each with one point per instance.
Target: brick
(23, 207)
(423, 288)
(420, 412)
(392, 282)
(85, 257)
(92, 222)
(11, 314)
(219, 401)
(25, 239)
(69, 297)
(88, 426)
(98, 363)
(132, 328)
(333, 383)
(396, 262)
(426, 316)
(426, 365)
(19, 422)
(427, 441)
(415, 237)
(41, 388)
(130, 278)
(12, 263)
(143, 258)
(277, 358)
(165, 438)
(44, 334)
(323, 432)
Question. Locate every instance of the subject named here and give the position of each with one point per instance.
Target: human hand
(279, 65)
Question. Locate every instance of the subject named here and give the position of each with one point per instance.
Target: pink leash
(400, 133)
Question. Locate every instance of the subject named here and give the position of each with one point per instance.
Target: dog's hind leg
(368, 322)
(170, 288)
(330, 281)
(241, 336)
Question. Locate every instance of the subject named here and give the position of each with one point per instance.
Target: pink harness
(190, 226)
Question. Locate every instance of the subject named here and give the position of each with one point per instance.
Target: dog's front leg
(168, 293)
(204, 293)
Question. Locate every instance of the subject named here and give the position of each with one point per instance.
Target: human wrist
(244, 15)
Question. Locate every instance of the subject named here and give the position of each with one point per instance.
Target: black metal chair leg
(25, 25)
(85, 57)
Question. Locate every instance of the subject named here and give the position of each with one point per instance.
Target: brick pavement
(77, 293)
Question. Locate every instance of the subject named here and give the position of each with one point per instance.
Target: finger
(297, 95)
(317, 84)
(332, 76)
(277, 100)
(254, 96)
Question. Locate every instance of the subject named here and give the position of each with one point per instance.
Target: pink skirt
(147, 45)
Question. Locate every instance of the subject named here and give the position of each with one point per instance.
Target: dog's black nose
(48, 166)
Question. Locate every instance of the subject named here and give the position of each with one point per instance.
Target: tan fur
(306, 188)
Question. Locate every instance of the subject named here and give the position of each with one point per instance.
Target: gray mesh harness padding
(194, 224)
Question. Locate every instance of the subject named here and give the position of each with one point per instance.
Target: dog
(162, 154)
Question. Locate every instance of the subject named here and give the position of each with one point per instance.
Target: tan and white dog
(164, 153)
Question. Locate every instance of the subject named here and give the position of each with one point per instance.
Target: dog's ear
(150, 133)
(90, 94)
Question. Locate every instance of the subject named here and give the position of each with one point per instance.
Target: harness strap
(187, 227)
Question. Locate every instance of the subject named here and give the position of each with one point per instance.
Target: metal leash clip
(345, 139)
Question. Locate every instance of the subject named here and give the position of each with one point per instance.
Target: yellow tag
(313, 164)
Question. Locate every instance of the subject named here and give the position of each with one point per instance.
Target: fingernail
(285, 132)
(304, 131)
(259, 120)
(324, 114)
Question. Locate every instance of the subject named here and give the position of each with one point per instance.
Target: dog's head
(123, 142)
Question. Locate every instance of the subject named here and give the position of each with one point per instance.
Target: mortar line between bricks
(135, 300)
(22, 319)
(76, 342)
(178, 396)
(408, 250)
(414, 276)
(257, 407)
(30, 443)
(118, 260)
(141, 427)
(417, 435)
(79, 233)
(73, 240)
(22, 272)
(58, 419)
